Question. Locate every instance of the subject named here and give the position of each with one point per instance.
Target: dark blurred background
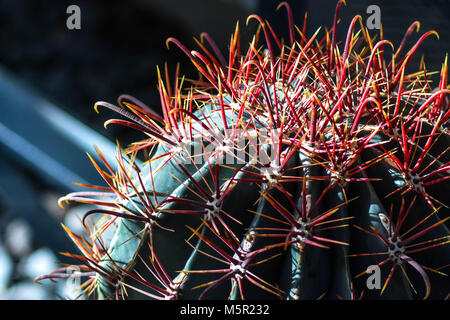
(50, 78)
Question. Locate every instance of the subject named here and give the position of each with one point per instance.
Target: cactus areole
(291, 170)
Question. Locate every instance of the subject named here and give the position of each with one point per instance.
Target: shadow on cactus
(287, 171)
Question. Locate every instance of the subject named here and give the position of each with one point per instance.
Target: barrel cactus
(298, 169)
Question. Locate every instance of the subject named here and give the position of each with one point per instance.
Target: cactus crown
(284, 171)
